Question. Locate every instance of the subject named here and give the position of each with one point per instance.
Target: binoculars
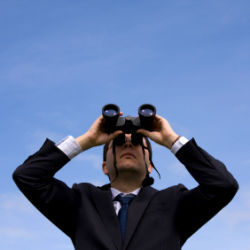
(128, 124)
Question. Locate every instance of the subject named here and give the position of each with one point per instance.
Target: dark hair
(106, 146)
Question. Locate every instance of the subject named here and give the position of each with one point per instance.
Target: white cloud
(40, 134)
(178, 169)
(15, 202)
(38, 137)
(10, 232)
(98, 182)
(60, 119)
(233, 216)
(95, 160)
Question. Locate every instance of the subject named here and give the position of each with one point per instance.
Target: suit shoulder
(84, 186)
(179, 188)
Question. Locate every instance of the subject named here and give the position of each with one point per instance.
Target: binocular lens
(147, 112)
(110, 112)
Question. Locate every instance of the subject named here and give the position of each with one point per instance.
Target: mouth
(128, 155)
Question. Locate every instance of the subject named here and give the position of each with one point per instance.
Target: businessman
(127, 213)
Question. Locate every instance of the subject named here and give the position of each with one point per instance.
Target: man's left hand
(162, 133)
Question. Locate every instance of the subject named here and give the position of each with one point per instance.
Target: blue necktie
(122, 215)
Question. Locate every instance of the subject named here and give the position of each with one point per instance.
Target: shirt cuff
(69, 146)
(178, 144)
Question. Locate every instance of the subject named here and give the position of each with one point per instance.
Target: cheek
(110, 160)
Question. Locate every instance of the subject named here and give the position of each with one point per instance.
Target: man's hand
(96, 135)
(162, 132)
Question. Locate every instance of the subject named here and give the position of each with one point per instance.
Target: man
(96, 217)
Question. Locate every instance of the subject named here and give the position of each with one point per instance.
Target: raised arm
(51, 196)
(216, 186)
(216, 189)
(35, 178)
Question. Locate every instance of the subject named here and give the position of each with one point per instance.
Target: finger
(99, 120)
(143, 132)
(115, 134)
(158, 118)
(101, 123)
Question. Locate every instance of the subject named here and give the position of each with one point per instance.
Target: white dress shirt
(115, 192)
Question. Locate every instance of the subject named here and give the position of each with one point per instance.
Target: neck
(126, 185)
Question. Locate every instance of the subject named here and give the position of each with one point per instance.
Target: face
(129, 159)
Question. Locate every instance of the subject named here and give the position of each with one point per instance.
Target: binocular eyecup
(128, 124)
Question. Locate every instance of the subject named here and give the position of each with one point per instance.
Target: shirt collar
(116, 192)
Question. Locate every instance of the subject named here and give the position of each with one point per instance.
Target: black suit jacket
(157, 220)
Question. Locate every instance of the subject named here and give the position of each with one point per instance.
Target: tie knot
(125, 200)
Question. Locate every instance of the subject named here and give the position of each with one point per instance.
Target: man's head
(130, 160)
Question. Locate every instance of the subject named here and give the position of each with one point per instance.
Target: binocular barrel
(111, 113)
(113, 121)
(146, 114)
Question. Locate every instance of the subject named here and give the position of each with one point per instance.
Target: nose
(128, 142)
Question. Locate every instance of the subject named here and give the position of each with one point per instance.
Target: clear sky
(61, 61)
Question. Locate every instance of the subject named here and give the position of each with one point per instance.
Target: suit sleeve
(216, 189)
(52, 197)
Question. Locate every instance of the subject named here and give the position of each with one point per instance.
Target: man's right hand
(96, 135)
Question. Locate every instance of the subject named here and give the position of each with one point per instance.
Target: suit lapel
(103, 200)
(136, 210)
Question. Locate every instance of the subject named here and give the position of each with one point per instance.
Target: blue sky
(61, 61)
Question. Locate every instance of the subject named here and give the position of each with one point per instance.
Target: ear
(104, 168)
(150, 168)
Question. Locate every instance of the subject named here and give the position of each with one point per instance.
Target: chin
(126, 166)
(129, 168)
